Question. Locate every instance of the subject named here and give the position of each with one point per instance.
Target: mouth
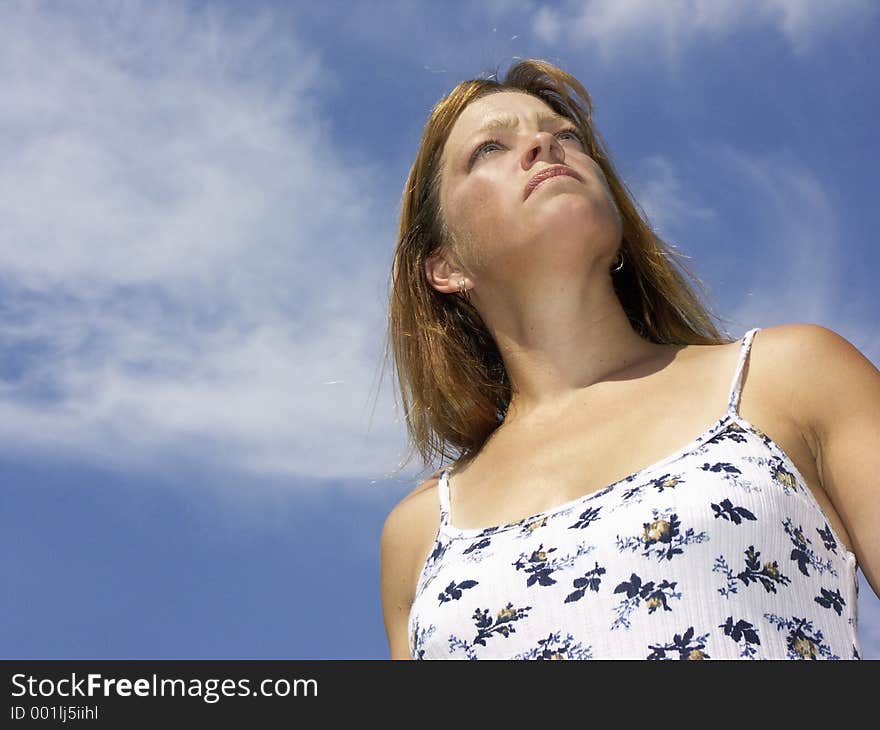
(546, 174)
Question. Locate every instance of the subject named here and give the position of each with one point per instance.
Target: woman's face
(561, 226)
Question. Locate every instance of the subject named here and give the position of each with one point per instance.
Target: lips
(548, 173)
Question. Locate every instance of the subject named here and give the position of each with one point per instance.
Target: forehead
(492, 106)
(501, 102)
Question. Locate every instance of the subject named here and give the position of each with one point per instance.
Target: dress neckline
(732, 413)
(688, 448)
(801, 486)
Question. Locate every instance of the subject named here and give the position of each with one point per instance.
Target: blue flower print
(802, 553)
(832, 600)
(768, 574)
(553, 647)
(452, 592)
(734, 514)
(685, 645)
(802, 641)
(661, 537)
(654, 596)
(540, 568)
(742, 631)
(589, 581)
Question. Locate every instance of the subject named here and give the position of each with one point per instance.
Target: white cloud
(617, 28)
(547, 25)
(788, 250)
(502, 8)
(793, 262)
(667, 201)
(185, 257)
(188, 262)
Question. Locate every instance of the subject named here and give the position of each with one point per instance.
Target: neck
(561, 348)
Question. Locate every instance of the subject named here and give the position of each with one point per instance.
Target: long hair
(451, 376)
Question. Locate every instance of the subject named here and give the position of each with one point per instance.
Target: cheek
(474, 220)
(481, 208)
(607, 189)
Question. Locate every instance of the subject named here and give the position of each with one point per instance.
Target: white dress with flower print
(718, 551)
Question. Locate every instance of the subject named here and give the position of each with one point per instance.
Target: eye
(490, 142)
(479, 151)
(576, 134)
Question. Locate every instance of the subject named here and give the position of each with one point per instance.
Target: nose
(543, 146)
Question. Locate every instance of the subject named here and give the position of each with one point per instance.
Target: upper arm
(839, 402)
(402, 537)
(396, 591)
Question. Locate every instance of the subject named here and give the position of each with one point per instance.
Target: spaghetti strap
(737, 382)
(443, 492)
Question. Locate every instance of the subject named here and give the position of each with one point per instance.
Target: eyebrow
(508, 121)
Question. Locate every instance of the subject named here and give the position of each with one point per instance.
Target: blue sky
(199, 204)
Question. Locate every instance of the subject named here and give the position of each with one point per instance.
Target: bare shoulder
(802, 348)
(407, 536)
(799, 339)
(417, 511)
(795, 336)
(812, 367)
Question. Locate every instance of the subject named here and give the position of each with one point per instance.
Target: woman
(604, 503)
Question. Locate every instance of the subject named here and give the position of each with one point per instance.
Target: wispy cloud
(667, 200)
(790, 256)
(185, 259)
(189, 261)
(616, 27)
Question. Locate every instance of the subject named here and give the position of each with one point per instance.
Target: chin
(576, 214)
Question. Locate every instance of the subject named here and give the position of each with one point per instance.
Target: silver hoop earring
(619, 266)
(464, 291)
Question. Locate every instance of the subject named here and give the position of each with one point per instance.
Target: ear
(443, 275)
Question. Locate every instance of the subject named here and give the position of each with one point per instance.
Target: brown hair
(450, 373)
